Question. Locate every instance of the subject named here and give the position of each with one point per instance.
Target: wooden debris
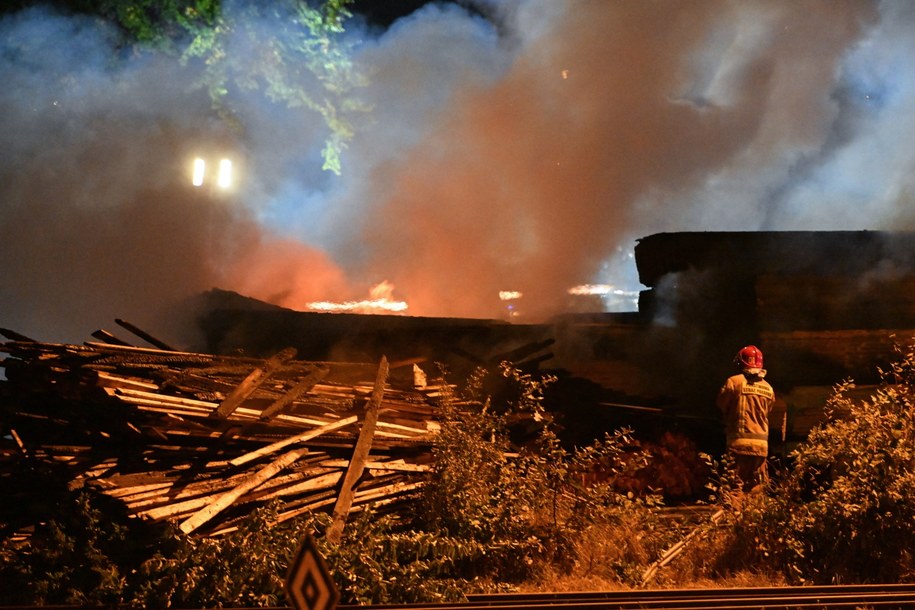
(14, 336)
(107, 337)
(192, 438)
(252, 482)
(298, 390)
(304, 436)
(144, 335)
(19, 443)
(360, 455)
(671, 553)
(252, 382)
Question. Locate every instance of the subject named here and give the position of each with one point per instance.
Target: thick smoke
(524, 151)
(99, 217)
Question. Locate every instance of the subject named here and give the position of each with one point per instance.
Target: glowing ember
(380, 300)
(591, 289)
(509, 295)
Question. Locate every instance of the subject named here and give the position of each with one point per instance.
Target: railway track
(901, 596)
(891, 596)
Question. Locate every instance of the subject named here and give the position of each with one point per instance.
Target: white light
(199, 171)
(224, 178)
(509, 295)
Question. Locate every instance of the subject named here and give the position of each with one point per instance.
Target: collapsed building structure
(273, 403)
(200, 440)
(823, 306)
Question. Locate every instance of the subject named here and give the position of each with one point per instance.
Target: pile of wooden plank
(200, 440)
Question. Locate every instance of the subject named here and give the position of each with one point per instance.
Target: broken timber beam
(388, 491)
(144, 335)
(107, 337)
(360, 456)
(173, 357)
(225, 500)
(676, 549)
(12, 335)
(395, 466)
(298, 438)
(297, 391)
(253, 381)
(19, 443)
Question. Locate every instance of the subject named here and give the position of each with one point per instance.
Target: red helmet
(750, 359)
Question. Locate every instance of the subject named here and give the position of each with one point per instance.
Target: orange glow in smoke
(380, 301)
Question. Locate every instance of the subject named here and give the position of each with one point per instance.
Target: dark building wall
(823, 306)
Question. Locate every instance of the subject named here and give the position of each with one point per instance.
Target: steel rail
(831, 597)
(765, 598)
(506, 599)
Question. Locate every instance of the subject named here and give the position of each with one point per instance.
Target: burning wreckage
(333, 411)
(200, 440)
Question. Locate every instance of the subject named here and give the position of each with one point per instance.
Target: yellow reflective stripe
(748, 442)
(757, 390)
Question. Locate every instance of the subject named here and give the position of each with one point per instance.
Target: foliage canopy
(292, 51)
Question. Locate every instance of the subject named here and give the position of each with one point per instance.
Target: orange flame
(380, 300)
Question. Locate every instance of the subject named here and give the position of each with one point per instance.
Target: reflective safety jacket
(746, 401)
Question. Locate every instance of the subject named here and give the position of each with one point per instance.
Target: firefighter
(746, 400)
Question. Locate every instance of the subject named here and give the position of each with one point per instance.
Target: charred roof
(831, 253)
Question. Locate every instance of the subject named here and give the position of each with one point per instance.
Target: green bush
(524, 506)
(378, 561)
(246, 567)
(71, 559)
